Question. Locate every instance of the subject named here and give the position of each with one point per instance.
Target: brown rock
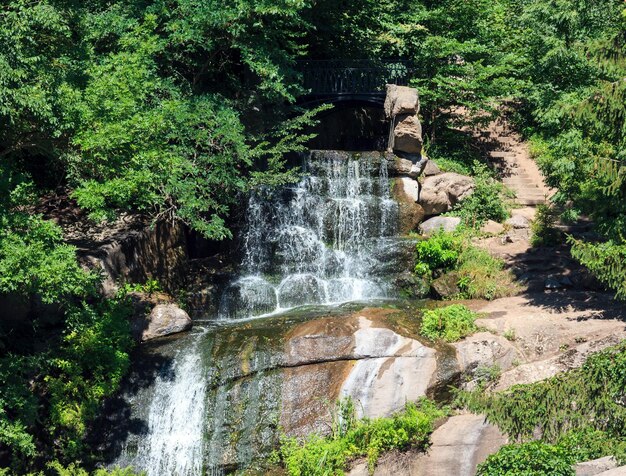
(431, 169)
(441, 192)
(401, 100)
(405, 192)
(164, 320)
(407, 134)
(156, 315)
(492, 227)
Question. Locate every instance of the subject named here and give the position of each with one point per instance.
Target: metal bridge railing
(349, 77)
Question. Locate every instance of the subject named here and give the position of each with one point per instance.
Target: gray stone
(518, 222)
(621, 471)
(492, 228)
(441, 192)
(552, 283)
(431, 169)
(164, 320)
(434, 224)
(446, 286)
(595, 467)
(411, 188)
(401, 100)
(484, 350)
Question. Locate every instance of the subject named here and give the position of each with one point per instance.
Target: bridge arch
(357, 88)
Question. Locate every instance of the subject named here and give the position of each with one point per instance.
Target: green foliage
(74, 470)
(605, 260)
(73, 376)
(88, 367)
(450, 323)
(488, 201)
(330, 455)
(480, 275)
(528, 459)
(440, 251)
(581, 411)
(34, 261)
(544, 232)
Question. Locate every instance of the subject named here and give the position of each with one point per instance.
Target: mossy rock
(445, 286)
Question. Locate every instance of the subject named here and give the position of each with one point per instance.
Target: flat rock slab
(355, 356)
(458, 447)
(595, 467)
(621, 471)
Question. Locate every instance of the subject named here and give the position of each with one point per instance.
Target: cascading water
(328, 239)
(175, 418)
(320, 242)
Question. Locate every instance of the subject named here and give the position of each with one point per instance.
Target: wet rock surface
(382, 369)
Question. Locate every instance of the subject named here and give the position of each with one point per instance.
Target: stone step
(518, 180)
(501, 154)
(530, 202)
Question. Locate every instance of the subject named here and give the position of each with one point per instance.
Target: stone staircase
(511, 158)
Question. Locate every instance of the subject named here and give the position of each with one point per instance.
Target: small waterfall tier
(325, 240)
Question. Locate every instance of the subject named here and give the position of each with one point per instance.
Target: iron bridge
(332, 81)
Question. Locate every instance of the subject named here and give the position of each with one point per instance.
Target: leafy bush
(605, 260)
(480, 275)
(330, 455)
(543, 230)
(488, 201)
(74, 470)
(35, 261)
(440, 251)
(449, 323)
(528, 459)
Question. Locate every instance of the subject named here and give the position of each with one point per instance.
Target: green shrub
(542, 228)
(488, 201)
(74, 470)
(581, 411)
(330, 455)
(449, 323)
(440, 251)
(481, 276)
(528, 459)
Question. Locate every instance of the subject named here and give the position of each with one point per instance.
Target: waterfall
(175, 419)
(330, 238)
(317, 242)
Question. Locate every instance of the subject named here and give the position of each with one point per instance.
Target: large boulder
(156, 315)
(164, 320)
(441, 192)
(411, 166)
(405, 192)
(401, 100)
(407, 134)
(433, 225)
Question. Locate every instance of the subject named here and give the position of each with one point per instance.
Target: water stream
(328, 239)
